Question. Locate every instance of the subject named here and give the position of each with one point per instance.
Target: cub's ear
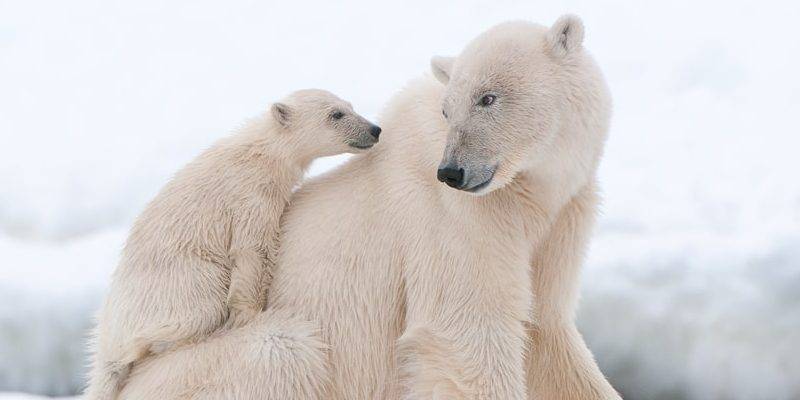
(441, 67)
(565, 36)
(282, 113)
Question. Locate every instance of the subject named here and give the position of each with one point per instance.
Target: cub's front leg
(252, 252)
(248, 288)
(465, 337)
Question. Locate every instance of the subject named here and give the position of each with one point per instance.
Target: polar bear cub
(200, 254)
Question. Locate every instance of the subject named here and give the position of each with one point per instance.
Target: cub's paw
(238, 317)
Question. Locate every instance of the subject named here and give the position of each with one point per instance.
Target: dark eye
(488, 100)
(337, 115)
(444, 113)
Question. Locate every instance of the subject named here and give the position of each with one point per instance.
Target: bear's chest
(476, 233)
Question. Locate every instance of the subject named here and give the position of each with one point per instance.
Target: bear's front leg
(482, 362)
(247, 292)
(465, 336)
(560, 365)
(253, 249)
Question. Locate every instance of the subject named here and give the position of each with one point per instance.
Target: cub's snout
(375, 131)
(368, 138)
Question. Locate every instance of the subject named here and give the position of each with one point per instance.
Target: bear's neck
(265, 146)
(546, 194)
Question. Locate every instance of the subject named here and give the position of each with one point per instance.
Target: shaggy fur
(201, 253)
(423, 291)
(277, 356)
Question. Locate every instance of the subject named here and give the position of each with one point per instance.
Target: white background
(691, 285)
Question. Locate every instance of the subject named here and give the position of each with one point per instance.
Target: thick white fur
(422, 291)
(200, 254)
(274, 357)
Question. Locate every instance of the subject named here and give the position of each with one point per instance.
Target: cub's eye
(337, 115)
(488, 100)
(444, 113)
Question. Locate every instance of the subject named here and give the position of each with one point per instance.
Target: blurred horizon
(689, 289)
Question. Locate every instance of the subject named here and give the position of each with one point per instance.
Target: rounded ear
(565, 36)
(282, 114)
(441, 67)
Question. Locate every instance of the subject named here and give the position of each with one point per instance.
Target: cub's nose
(375, 131)
(451, 176)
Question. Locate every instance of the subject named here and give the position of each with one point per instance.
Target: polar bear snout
(375, 131)
(367, 138)
(472, 179)
(451, 176)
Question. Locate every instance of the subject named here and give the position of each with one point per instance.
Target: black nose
(451, 176)
(375, 131)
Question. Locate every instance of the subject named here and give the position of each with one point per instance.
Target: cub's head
(322, 124)
(510, 99)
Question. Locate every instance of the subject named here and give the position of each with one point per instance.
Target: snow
(695, 316)
(690, 285)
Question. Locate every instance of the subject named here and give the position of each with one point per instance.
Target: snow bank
(24, 396)
(48, 294)
(695, 317)
(690, 285)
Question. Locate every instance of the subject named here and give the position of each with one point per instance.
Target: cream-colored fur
(276, 356)
(201, 253)
(423, 291)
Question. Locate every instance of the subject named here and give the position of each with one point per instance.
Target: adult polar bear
(391, 284)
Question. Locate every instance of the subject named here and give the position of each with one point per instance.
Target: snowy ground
(690, 290)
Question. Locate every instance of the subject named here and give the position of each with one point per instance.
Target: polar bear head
(319, 124)
(521, 98)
